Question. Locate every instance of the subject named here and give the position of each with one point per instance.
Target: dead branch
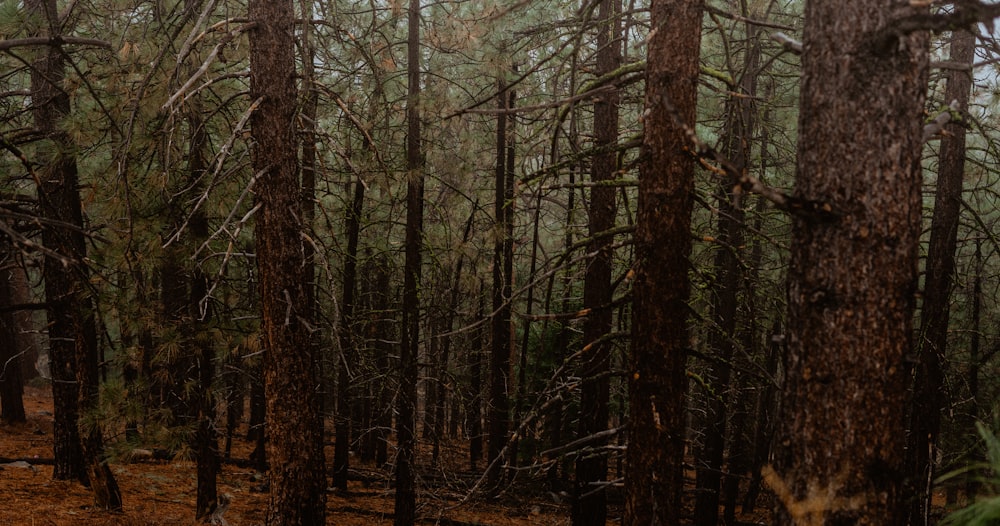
(6, 45)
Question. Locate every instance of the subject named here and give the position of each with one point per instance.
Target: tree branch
(6, 45)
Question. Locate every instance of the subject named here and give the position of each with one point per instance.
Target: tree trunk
(257, 424)
(380, 331)
(202, 405)
(590, 500)
(25, 324)
(522, 369)
(929, 394)
(341, 452)
(58, 171)
(852, 277)
(296, 474)
(474, 407)
(972, 478)
(656, 374)
(499, 401)
(307, 197)
(445, 386)
(736, 145)
(11, 379)
(72, 333)
(405, 505)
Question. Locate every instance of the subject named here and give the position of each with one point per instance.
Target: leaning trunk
(929, 393)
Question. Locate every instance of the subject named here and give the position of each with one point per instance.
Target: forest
(483, 262)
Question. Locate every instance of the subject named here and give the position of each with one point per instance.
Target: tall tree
(736, 145)
(69, 304)
(502, 339)
(348, 341)
(50, 104)
(590, 502)
(656, 374)
(852, 277)
(928, 388)
(184, 287)
(297, 478)
(206, 440)
(405, 505)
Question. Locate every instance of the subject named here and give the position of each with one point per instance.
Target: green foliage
(986, 511)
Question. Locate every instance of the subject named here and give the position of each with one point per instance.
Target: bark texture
(656, 374)
(853, 272)
(297, 481)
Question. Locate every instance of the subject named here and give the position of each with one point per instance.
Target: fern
(983, 512)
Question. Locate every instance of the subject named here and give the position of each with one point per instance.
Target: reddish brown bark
(297, 481)
(852, 277)
(656, 373)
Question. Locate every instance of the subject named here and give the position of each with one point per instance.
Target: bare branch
(787, 42)
(206, 64)
(6, 45)
(740, 18)
(965, 15)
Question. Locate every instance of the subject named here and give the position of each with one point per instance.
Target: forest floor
(162, 493)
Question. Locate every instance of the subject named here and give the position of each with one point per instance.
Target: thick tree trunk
(852, 279)
(297, 478)
(929, 393)
(656, 371)
(590, 500)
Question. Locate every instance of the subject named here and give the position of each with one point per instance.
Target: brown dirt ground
(160, 493)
